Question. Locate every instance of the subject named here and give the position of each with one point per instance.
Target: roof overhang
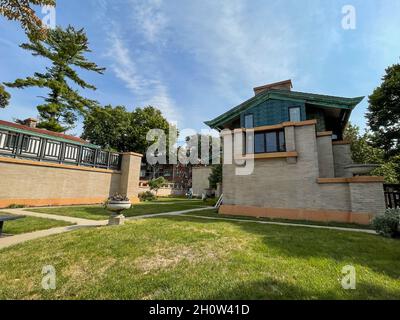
(346, 104)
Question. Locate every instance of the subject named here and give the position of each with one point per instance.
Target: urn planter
(116, 207)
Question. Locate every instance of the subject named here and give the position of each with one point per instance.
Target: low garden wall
(35, 183)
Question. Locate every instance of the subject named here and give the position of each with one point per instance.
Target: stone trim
(359, 179)
(284, 125)
(324, 134)
(55, 165)
(57, 202)
(272, 155)
(133, 154)
(297, 214)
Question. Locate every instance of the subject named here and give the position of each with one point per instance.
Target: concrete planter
(359, 169)
(116, 207)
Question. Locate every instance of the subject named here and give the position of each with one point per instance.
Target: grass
(214, 214)
(99, 213)
(30, 224)
(188, 258)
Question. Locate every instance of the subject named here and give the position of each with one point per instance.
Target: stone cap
(132, 154)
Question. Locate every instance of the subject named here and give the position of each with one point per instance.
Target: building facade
(302, 167)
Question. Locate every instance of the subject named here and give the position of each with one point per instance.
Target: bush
(387, 225)
(16, 206)
(147, 196)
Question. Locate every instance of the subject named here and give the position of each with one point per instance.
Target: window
(295, 114)
(259, 143)
(249, 144)
(272, 141)
(248, 121)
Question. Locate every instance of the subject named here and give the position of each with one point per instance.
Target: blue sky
(196, 59)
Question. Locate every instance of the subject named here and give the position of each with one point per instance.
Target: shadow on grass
(270, 289)
(346, 248)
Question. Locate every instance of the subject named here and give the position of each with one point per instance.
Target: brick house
(302, 167)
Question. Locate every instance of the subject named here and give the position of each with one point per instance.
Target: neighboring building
(200, 182)
(301, 161)
(178, 176)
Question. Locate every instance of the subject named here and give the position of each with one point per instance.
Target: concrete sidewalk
(78, 223)
(284, 224)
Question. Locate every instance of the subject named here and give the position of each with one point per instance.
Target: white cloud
(146, 85)
(238, 49)
(150, 19)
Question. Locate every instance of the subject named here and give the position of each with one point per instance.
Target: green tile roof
(309, 98)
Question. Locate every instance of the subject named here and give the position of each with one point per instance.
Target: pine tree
(4, 97)
(65, 49)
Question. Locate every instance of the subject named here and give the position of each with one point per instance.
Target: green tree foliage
(4, 97)
(65, 49)
(215, 176)
(364, 152)
(22, 11)
(384, 113)
(156, 184)
(121, 130)
(108, 127)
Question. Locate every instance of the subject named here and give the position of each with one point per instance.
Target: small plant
(147, 196)
(156, 184)
(16, 206)
(387, 225)
(116, 197)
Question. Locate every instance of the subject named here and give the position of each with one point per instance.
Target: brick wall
(282, 184)
(35, 183)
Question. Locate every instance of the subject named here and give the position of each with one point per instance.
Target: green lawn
(99, 213)
(214, 214)
(188, 258)
(30, 224)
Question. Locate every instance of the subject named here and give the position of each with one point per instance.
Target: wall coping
(273, 155)
(274, 127)
(132, 154)
(341, 142)
(324, 134)
(359, 179)
(54, 165)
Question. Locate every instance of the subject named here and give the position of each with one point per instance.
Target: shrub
(16, 206)
(387, 225)
(147, 196)
(156, 184)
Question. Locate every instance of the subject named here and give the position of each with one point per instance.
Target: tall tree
(364, 152)
(21, 10)
(65, 49)
(384, 112)
(108, 127)
(124, 131)
(4, 97)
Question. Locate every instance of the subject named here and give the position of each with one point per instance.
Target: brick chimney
(282, 85)
(30, 122)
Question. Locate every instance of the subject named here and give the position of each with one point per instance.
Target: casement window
(295, 114)
(271, 141)
(249, 121)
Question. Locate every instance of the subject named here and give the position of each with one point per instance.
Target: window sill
(273, 155)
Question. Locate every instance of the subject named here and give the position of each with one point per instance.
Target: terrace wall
(35, 183)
